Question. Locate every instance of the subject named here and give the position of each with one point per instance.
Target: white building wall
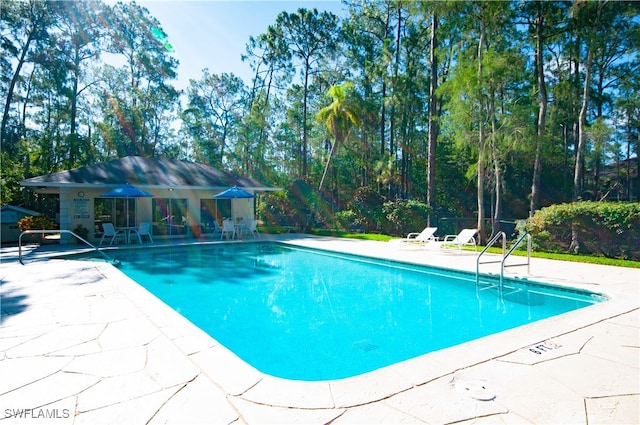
(77, 207)
(66, 214)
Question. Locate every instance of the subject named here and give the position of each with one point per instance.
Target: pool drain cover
(365, 345)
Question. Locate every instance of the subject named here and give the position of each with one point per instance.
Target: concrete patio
(82, 343)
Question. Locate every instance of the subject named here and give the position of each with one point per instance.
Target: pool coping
(241, 381)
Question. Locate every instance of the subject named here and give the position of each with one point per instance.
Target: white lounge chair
(419, 239)
(144, 229)
(465, 237)
(109, 231)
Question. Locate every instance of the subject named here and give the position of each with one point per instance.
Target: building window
(169, 216)
(213, 210)
(114, 210)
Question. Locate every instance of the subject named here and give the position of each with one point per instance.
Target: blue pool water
(312, 315)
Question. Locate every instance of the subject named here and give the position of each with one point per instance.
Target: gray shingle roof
(146, 172)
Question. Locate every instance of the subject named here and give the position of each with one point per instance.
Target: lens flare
(162, 38)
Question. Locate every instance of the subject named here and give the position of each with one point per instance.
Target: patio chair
(465, 237)
(109, 231)
(252, 227)
(419, 239)
(215, 228)
(228, 228)
(144, 229)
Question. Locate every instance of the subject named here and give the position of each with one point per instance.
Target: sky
(213, 33)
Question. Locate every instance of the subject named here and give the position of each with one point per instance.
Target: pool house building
(177, 197)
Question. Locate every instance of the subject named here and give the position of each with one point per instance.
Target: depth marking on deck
(544, 347)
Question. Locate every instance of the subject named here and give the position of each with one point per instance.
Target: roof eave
(50, 187)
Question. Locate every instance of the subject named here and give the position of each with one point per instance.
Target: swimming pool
(313, 315)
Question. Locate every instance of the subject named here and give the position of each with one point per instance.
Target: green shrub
(610, 229)
(273, 209)
(405, 216)
(81, 231)
(347, 220)
(367, 206)
(295, 206)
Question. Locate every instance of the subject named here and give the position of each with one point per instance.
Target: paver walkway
(83, 344)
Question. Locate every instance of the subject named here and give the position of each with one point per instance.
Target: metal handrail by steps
(44, 232)
(513, 248)
(504, 255)
(493, 240)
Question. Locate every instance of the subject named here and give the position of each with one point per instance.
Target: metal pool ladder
(505, 254)
(43, 232)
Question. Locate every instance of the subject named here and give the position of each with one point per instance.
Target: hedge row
(610, 229)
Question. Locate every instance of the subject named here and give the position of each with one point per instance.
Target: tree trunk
(433, 124)
(392, 186)
(542, 114)
(497, 175)
(383, 119)
(480, 186)
(628, 165)
(582, 118)
(481, 142)
(14, 81)
(326, 167)
(579, 167)
(304, 121)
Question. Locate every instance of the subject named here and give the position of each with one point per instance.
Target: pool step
(484, 284)
(507, 291)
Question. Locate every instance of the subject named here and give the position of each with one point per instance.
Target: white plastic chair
(108, 231)
(217, 230)
(228, 228)
(144, 229)
(252, 228)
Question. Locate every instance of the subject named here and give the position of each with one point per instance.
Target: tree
(221, 101)
(310, 37)
(468, 102)
(433, 116)
(586, 20)
(483, 97)
(543, 19)
(140, 97)
(443, 19)
(23, 24)
(450, 100)
(363, 35)
(628, 116)
(79, 41)
(339, 117)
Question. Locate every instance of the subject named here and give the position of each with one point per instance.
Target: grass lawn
(551, 255)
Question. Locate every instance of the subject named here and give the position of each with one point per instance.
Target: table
(127, 232)
(240, 229)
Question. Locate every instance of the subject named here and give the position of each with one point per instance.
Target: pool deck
(82, 343)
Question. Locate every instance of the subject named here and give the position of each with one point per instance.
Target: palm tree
(339, 117)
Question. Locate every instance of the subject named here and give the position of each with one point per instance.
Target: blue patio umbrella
(126, 191)
(233, 193)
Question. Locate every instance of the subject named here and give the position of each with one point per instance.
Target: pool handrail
(489, 244)
(505, 255)
(513, 248)
(44, 231)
